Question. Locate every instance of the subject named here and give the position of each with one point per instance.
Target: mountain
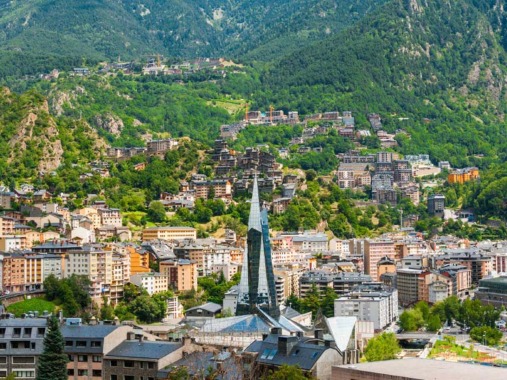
(32, 141)
(440, 64)
(98, 29)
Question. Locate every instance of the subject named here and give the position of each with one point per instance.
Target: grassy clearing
(448, 349)
(33, 304)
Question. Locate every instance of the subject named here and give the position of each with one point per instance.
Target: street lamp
(484, 339)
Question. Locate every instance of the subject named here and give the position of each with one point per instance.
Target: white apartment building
(152, 282)
(310, 242)
(369, 303)
(110, 217)
(217, 257)
(52, 265)
(12, 243)
(228, 270)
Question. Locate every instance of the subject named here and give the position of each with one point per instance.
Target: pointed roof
(254, 220)
(342, 330)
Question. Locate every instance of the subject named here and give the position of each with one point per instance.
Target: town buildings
(369, 302)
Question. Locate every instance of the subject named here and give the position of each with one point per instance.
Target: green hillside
(440, 66)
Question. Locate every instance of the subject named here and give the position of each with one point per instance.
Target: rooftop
(144, 350)
(87, 331)
(424, 369)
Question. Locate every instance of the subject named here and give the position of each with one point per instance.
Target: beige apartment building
(182, 274)
(169, 233)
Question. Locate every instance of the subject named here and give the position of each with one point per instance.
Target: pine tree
(53, 362)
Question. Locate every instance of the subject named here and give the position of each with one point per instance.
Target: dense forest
(194, 28)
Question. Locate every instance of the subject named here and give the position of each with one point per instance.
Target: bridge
(416, 335)
(9, 299)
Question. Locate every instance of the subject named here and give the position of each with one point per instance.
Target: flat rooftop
(417, 369)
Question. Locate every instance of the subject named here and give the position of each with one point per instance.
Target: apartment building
(142, 360)
(169, 233)
(21, 344)
(87, 345)
(321, 279)
(96, 264)
(181, 273)
(310, 243)
(152, 282)
(221, 188)
(7, 225)
(110, 217)
(374, 250)
(463, 175)
(344, 283)
(14, 273)
(407, 284)
(369, 302)
(12, 243)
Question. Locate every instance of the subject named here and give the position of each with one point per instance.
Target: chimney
(286, 344)
(319, 334)
(131, 335)
(328, 342)
(140, 338)
(276, 331)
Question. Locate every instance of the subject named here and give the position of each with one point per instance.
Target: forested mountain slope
(441, 64)
(106, 28)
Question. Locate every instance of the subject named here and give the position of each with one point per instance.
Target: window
(81, 343)
(82, 358)
(3, 346)
(23, 373)
(128, 364)
(23, 360)
(96, 358)
(27, 332)
(151, 365)
(17, 332)
(70, 372)
(128, 377)
(69, 343)
(41, 331)
(3, 359)
(96, 343)
(113, 377)
(82, 372)
(3, 373)
(71, 358)
(2, 332)
(97, 373)
(21, 344)
(114, 363)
